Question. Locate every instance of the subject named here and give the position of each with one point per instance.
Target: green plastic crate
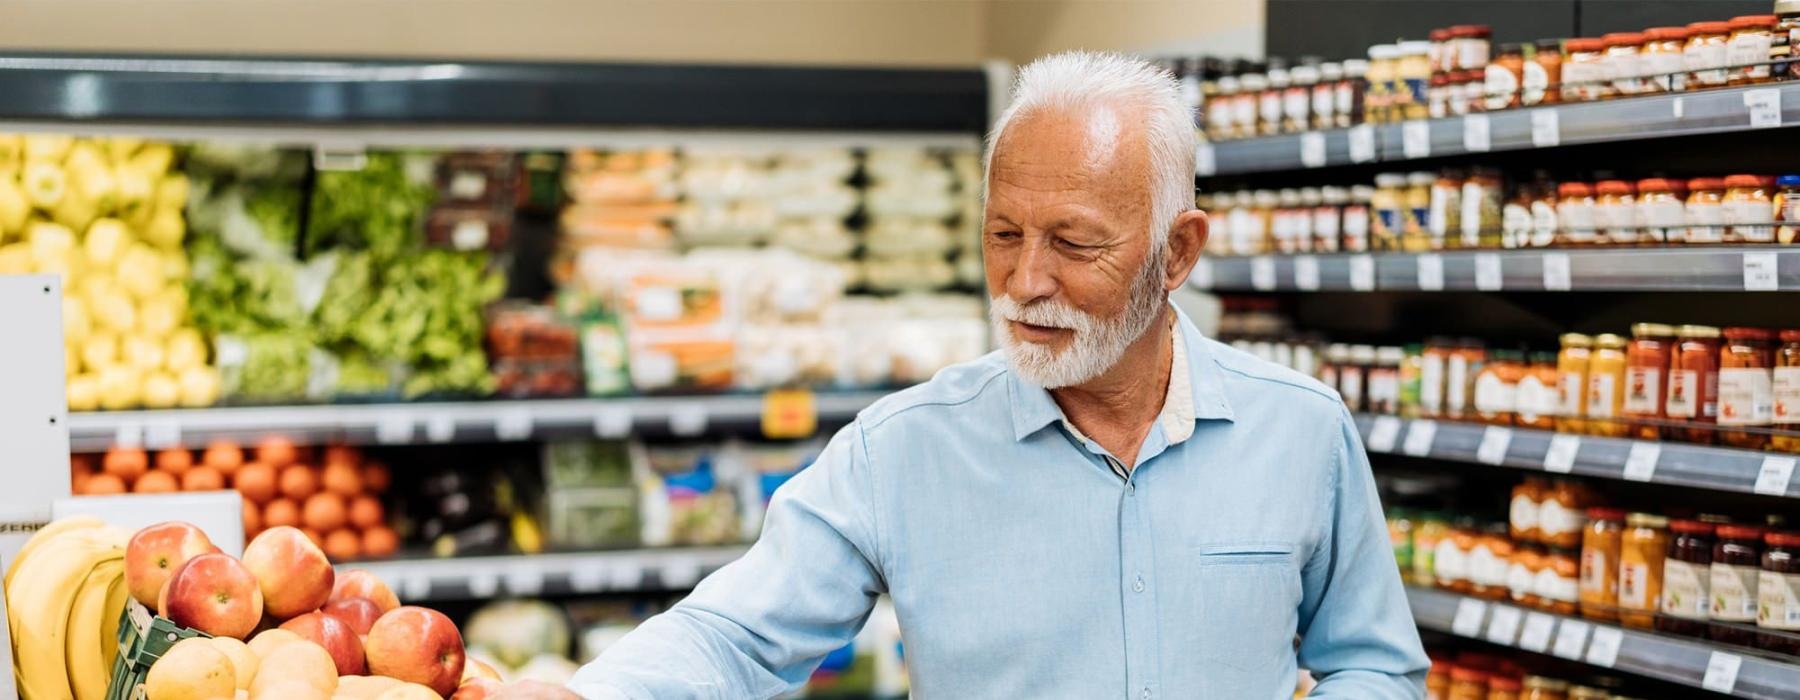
(143, 638)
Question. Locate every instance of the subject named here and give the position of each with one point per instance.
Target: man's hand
(533, 690)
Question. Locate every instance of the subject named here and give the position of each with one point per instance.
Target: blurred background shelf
(550, 573)
(1720, 269)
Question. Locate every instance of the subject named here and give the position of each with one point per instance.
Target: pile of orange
(335, 500)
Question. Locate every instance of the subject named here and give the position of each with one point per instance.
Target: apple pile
(311, 631)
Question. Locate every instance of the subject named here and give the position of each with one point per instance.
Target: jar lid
(1304, 74)
(1464, 674)
(1652, 330)
(1421, 48)
(1578, 340)
(1613, 187)
(1710, 28)
(1470, 30)
(1783, 539)
(1748, 21)
(1310, 197)
(1745, 333)
(1574, 189)
(1390, 180)
(1658, 184)
(1439, 34)
(1788, 181)
(1337, 352)
(1542, 357)
(1605, 513)
(1743, 180)
(1362, 193)
(1690, 527)
(1390, 355)
(1440, 79)
(1623, 39)
(1512, 48)
(1650, 520)
(1740, 532)
(1665, 33)
(1356, 66)
(1288, 196)
(1507, 356)
(1694, 331)
(1584, 44)
(1545, 683)
(1228, 85)
(1555, 45)
(1363, 354)
(1791, 335)
(1504, 683)
(1609, 340)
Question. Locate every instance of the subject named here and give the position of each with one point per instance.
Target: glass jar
(1246, 108)
(1543, 215)
(1600, 548)
(1430, 531)
(1558, 584)
(1642, 549)
(1786, 391)
(1620, 63)
(1562, 513)
(1324, 96)
(1414, 72)
(1470, 46)
(1432, 368)
(1446, 206)
(1327, 219)
(1693, 395)
(1415, 238)
(1437, 96)
(1544, 688)
(1746, 387)
(1496, 387)
(1390, 210)
(1400, 537)
(1736, 568)
(1437, 680)
(1221, 118)
(1787, 209)
(1443, 55)
(1646, 359)
(1412, 372)
(1660, 61)
(1268, 111)
(1349, 106)
(1778, 594)
(1572, 382)
(1504, 688)
(1522, 573)
(1473, 90)
(1460, 370)
(1705, 57)
(1481, 198)
(1488, 562)
(1522, 514)
(1749, 208)
(1383, 66)
(1296, 100)
(1687, 578)
(1515, 217)
(1539, 398)
(1575, 213)
(1281, 225)
(1468, 684)
(1615, 212)
(1357, 218)
(1331, 373)
(1383, 391)
(1541, 79)
(1606, 387)
(1310, 200)
(1450, 565)
(1353, 378)
(1782, 43)
(1747, 51)
(1661, 213)
(1503, 77)
(1705, 210)
(1584, 75)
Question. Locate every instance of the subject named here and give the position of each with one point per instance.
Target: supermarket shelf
(1637, 118)
(1688, 662)
(1670, 463)
(526, 575)
(1732, 268)
(450, 422)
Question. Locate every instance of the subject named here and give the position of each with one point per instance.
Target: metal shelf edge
(1727, 268)
(558, 573)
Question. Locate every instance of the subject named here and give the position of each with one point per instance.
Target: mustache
(1044, 312)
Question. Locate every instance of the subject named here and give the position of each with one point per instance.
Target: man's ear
(1187, 238)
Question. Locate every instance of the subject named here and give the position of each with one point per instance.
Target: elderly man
(1112, 506)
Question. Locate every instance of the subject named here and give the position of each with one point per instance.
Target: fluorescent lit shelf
(549, 574)
(1720, 269)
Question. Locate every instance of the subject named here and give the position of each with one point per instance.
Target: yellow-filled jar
(1606, 387)
(1572, 382)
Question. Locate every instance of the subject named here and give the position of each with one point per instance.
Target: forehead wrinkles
(1095, 148)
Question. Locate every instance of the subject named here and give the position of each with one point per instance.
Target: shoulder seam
(1312, 390)
(876, 421)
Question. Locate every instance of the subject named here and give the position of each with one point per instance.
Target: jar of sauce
(1746, 387)
(1413, 70)
(1430, 531)
(1488, 562)
(1522, 514)
(1641, 552)
(1541, 78)
(1353, 377)
(1778, 594)
(1504, 688)
(1331, 372)
(1615, 212)
(1661, 61)
(1400, 536)
(1661, 213)
(1562, 514)
(1584, 74)
(1539, 399)
(1503, 77)
(1544, 225)
(1736, 568)
(1575, 213)
(1471, 44)
(1296, 101)
(1544, 688)
(1324, 95)
(1349, 103)
(1606, 387)
(1558, 583)
(1704, 57)
(1687, 579)
(1446, 206)
(1787, 209)
(1705, 210)
(1246, 107)
(1437, 680)
(1437, 96)
(1521, 575)
(1481, 201)
(1460, 370)
(1749, 209)
(1468, 684)
(1383, 392)
(1327, 218)
(1747, 51)
(1221, 117)
(1496, 392)
(1357, 219)
(1572, 383)
(1432, 367)
(1783, 46)
(1693, 395)
(1390, 211)
(1621, 63)
(1450, 565)
(1268, 102)
(1415, 237)
(1787, 393)
(1646, 359)
(1600, 549)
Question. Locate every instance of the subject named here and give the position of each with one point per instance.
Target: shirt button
(1145, 695)
(1138, 586)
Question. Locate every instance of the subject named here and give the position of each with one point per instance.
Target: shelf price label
(1384, 434)
(1761, 272)
(1764, 107)
(1487, 272)
(129, 435)
(440, 427)
(513, 425)
(1206, 162)
(680, 573)
(688, 420)
(1640, 463)
(416, 586)
(628, 576)
(612, 422)
(789, 414)
(1262, 273)
(1419, 437)
(1431, 272)
(1469, 614)
(1362, 143)
(162, 434)
(1312, 149)
(1362, 273)
(1772, 479)
(1477, 134)
(1202, 276)
(524, 579)
(1306, 273)
(587, 578)
(1556, 272)
(1722, 669)
(394, 428)
(1535, 636)
(1571, 639)
(1494, 441)
(1503, 625)
(1546, 131)
(483, 585)
(1603, 651)
(1560, 458)
(1415, 138)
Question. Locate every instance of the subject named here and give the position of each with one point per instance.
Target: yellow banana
(117, 597)
(47, 533)
(40, 603)
(83, 654)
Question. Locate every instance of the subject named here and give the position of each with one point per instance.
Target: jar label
(1634, 585)
(1787, 395)
(1520, 579)
(1734, 592)
(1706, 62)
(1325, 225)
(1323, 98)
(1515, 225)
(1577, 219)
(1523, 513)
(1537, 399)
(1474, 203)
(1706, 222)
(1746, 396)
(1602, 390)
(1294, 104)
(1548, 584)
(1431, 384)
(1595, 567)
(1270, 109)
(1495, 396)
(1501, 85)
(1444, 200)
(1450, 563)
(1622, 70)
(1581, 80)
(1663, 71)
(1543, 224)
(1471, 53)
(1350, 384)
(1243, 112)
(1685, 589)
(1643, 390)
(1778, 601)
(1683, 399)
(1533, 83)
(1486, 568)
(1661, 219)
(1424, 556)
(1568, 392)
(1356, 229)
(1345, 97)
(1555, 519)
(1456, 384)
(1329, 375)
(1749, 220)
(1748, 53)
(1618, 220)
(1389, 222)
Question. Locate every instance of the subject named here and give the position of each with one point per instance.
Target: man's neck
(1118, 407)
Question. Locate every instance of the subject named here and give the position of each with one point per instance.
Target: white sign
(440, 427)
(1487, 272)
(1262, 273)
(1362, 273)
(1312, 149)
(162, 434)
(688, 420)
(1362, 143)
(1772, 479)
(1765, 108)
(1494, 442)
(129, 436)
(612, 423)
(1418, 438)
(513, 425)
(1503, 627)
(1306, 273)
(524, 579)
(483, 585)
(1640, 463)
(1469, 613)
(393, 428)
(416, 586)
(1556, 272)
(587, 578)
(1415, 139)
(1384, 434)
(1760, 273)
(1202, 276)
(1536, 634)
(1721, 667)
(1560, 458)
(1545, 131)
(1206, 163)
(1604, 650)
(1476, 134)
(1571, 639)
(1431, 272)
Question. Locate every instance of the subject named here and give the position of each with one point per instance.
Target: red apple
(359, 613)
(154, 553)
(295, 576)
(215, 594)
(357, 583)
(417, 645)
(477, 689)
(336, 636)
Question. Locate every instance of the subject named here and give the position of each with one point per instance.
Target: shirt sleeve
(761, 625)
(1357, 631)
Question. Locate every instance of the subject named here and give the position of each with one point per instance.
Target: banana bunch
(64, 595)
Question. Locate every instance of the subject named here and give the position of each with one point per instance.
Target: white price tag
(1546, 132)
(129, 435)
(440, 427)
(1415, 139)
(1362, 273)
(1503, 625)
(1535, 636)
(1722, 667)
(1431, 272)
(1560, 458)
(393, 428)
(628, 576)
(1765, 108)
(1678, 107)
(612, 422)
(1476, 134)
(688, 420)
(1556, 272)
(1418, 438)
(1312, 149)
(1306, 273)
(1262, 273)
(1487, 272)
(1362, 143)
(162, 434)
(416, 587)
(1604, 650)
(1384, 434)
(1494, 441)
(483, 585)
(588, 578)
(1772, 479)
(1640, 463)
(1206, 163)
(1202, 276)
(681, 574)
(1571, 639)
(513, 425)
(1469, 614)
(524, 579)
(1760, 273)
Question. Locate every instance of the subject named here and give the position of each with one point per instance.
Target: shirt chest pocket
(1248, 607)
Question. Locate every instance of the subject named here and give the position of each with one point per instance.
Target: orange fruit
(342, 479)
(223, 455)
(323, 512)
(127, 464)
(174, 461)
(154, 482)
(252, 520)
(81, 463)
(376, 478)
(102, 484)
(366, 512)
(277, 451)
(78, 481)
(256, 481)
(342, 454)
(343, 545)
(298, 482)
(202, 479)
(380, 542)
(281, 512)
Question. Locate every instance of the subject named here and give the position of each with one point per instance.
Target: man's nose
(1035, 276)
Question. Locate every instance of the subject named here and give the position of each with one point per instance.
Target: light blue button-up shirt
(1022, 565)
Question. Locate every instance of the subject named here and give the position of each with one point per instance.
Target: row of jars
(1478, 676)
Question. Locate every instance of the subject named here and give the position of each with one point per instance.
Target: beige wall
(1019, 30)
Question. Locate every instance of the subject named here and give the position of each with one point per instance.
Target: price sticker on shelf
(1415, 139)
(1560, 458)
(129, 435)
(1603, 651)
(1503, 624)
(1419, 437)
(1306, 273)
(1431, 272)
(513, 425)
(440, 427)
(1546, 131)
(588, 578)
(612, 422)
(1722, 669)
(1772, 479)
(628, 576)
(1764, 107)
(416, 586)
(1202, 276)
(1571, 639)
(789, 414)
(688, 420)
(1761, 272)
(1487, 272)
(483, 585)
(1556, 272)
(1535, 635)
(1476, 134)
(1312, 149)
(1362, 273)
(1640, 463)
(1206, 162)
(162, 434)
(1494, 441)
(524, 579)
(1384, 434)
(394, 428)
(1469, 614)
(1262, 273)
(1362, 143)
(680, 573)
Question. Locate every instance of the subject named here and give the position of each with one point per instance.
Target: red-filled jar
(1620, 61)
(1736, 568)
(1778, 594)
(1746, 387)
(1693, 395)
(1749, 209)
(1575, 214)
(1687, 579)
(1646, 359)
(1661, 210)
(1747, 51)
(1705, 211)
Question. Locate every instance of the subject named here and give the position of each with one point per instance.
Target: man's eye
(1071, 245)
(1004, 235)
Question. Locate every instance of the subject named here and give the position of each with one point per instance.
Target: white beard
(1098, 343)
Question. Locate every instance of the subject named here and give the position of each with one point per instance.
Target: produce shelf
(1728, 268)
(1696, 663)
(550, 574)
(1631, 119)
(449, 422)
(1670, 463)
